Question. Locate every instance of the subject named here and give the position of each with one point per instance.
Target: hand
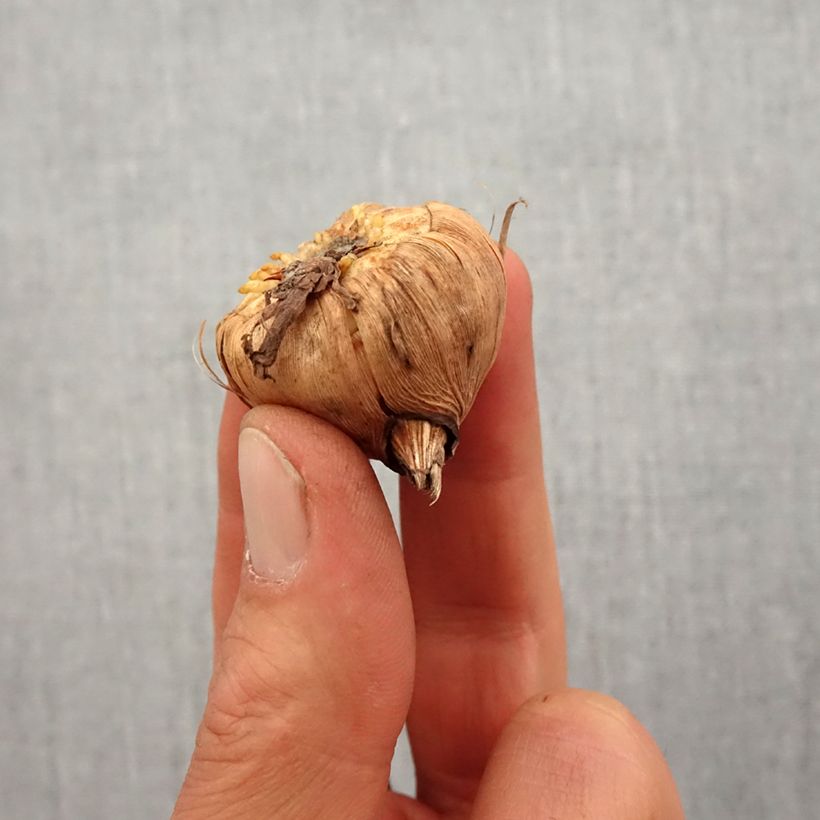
(335, 637)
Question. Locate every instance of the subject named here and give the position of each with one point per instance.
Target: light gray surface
(153, 153)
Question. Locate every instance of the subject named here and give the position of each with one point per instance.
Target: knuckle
(250, 683)
(249, 703)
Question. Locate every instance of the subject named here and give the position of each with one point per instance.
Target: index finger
(230, 528)
(483, 575)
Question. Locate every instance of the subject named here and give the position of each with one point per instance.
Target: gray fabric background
(154, 153)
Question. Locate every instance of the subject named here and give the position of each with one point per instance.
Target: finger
(573, 755)
(230, 528)
(315, 663)
(483, 575)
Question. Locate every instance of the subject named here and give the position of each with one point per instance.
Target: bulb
(385, 325)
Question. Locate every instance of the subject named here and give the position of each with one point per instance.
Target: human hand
(336, 636)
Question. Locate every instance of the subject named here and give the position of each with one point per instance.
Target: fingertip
(581, 753)
(514, 357)
(519, 286)
(340, 487)
(233, 409)
(352, 535)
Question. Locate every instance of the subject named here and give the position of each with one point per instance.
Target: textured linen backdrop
(154, 153)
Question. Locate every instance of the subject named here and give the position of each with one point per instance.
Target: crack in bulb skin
(385, 324)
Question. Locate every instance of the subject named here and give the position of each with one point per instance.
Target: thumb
(314, 670)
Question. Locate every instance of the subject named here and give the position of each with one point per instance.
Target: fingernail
(273, 499)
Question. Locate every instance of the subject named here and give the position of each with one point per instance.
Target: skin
(461, 635)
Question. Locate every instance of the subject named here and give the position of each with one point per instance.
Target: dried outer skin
(408, 331)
